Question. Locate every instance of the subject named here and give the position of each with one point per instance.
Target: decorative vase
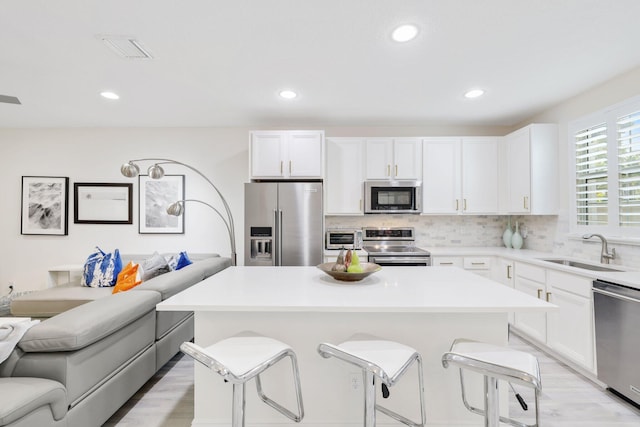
(506, 236)
(516, 239)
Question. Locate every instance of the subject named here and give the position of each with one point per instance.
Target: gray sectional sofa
(78, 367)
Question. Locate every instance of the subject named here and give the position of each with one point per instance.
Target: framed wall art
(45, 202)
(102, 203)
(155, 196)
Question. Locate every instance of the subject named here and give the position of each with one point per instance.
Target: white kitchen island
(423, 307)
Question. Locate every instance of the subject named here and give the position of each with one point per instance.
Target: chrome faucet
(605, 255)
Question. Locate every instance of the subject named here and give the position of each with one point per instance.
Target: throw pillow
(154, 266)
(101, 269)
(183, 261)
(172, 261)
(128, 278)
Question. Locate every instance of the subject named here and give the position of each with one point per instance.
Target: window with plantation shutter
(592, 183)
(605, 171)
(628, 135)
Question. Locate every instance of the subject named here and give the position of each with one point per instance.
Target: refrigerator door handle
(280, 237)
(276, 238)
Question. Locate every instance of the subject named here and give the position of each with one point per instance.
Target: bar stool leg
(237, 415)
(369, 399)
(491, 402)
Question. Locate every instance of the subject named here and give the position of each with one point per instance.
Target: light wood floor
(567, 399)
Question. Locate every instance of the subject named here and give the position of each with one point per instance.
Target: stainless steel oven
(617, 317)
(394, 246)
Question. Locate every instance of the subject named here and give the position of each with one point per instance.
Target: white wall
(95, 155)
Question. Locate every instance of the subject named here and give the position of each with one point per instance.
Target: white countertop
(392, 289)
(627, 276)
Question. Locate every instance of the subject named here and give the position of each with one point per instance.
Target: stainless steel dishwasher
(617, 320)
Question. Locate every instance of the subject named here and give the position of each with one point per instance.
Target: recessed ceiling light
(288, 94)
(404, 33)
(109, 95)
(474, 93)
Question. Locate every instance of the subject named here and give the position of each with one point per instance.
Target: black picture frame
(45, 205)
(102, 203)
(155, 195)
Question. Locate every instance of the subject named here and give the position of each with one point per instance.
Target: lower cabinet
(502, 270)
(568, 330)
(478, 265)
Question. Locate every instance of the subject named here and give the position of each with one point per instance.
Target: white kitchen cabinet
(478, 265)
(286, 154)
(460, 175)
(393, 158)
(344, 176)
(503, 271)
(532, 281)
(531, 170)
(568, 331)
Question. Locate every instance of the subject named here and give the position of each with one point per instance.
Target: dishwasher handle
(615, 295)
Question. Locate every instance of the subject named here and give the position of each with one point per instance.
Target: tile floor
(567, 400)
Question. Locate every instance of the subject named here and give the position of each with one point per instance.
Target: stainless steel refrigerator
(283, 223)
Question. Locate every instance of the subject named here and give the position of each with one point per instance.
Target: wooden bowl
(368, 268)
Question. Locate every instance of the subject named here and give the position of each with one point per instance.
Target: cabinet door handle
(360, 204)
(457, 205)
(548, 296)
(526, 203)
(396, 170)
(290, 162)
(445, 263)
(281, 167)
(508, 272)
(388, 170)
(477, 263)
(539, 293)
(464, 205)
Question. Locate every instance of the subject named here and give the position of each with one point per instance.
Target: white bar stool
(240, 358)
(378, 359)
(495, 363)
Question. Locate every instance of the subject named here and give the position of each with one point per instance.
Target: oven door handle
(399, 260)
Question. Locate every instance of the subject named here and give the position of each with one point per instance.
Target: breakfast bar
(425, 308)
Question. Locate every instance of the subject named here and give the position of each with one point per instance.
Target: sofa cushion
(21, 396)
(88, 323)
(50, 302)
(211, 266)
(171, 283)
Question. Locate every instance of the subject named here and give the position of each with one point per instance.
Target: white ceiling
(223, 62)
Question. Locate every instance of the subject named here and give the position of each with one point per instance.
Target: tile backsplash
(452, 231)
(545, 233)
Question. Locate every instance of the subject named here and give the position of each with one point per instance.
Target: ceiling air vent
(126, 47)
(9, 99)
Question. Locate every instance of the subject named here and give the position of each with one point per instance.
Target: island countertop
(392, 289)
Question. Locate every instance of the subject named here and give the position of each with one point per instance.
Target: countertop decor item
(516, 239)
(368, 268)
(155, 171)
(506, 236)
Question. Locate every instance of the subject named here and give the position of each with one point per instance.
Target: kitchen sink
(578, 264)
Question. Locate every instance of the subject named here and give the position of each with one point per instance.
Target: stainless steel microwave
(403, 196)
(347, 238)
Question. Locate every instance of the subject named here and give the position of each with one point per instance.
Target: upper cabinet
(393, 158)
(344, 178)
(286, 154)
(531, 170)
(460, 175)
